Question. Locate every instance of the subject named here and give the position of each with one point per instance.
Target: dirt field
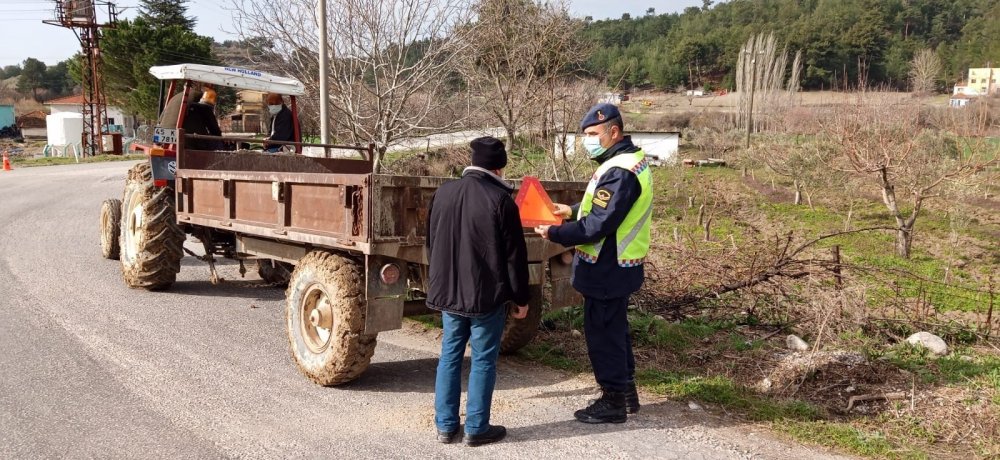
(663, 103)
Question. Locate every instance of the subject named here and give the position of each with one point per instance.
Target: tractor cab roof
(230, 76)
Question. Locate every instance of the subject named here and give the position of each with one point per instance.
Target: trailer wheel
(518, 332)
(274, 272)
(325, 318)
(151, 243)
(111, 224)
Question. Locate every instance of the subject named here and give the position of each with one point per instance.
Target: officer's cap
(598, 114)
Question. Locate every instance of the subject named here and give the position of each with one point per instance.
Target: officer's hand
(543, 230)
(520, 312)
(562, 210)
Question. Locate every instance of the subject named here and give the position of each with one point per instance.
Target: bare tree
(883, 143)
(567, 103)
(389, 60)
(518, 57)
(801, 162)
(925, 69)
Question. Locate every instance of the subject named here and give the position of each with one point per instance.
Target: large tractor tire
(518, 332)
(151, 244)
(274, 272)
(111, 225)
(325, 317)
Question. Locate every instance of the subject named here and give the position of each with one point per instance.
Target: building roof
(77, 99)
(962, 96)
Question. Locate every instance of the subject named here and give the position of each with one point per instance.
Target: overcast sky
(23, 35)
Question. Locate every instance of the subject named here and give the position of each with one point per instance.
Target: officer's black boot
(631, 398)
(610, 408)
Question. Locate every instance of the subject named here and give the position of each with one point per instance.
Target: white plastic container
(64, 128)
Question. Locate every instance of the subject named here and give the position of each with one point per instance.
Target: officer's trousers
(609, 345)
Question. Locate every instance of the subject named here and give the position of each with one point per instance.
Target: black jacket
(282, 126)
(605, 279)
(200, 119)
(475, 246)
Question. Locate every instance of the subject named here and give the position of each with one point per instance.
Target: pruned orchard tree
(389, 63)
(925, 69)
(883, 143)
(517, 58)
(802, 162)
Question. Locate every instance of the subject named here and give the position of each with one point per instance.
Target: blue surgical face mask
(593, 146)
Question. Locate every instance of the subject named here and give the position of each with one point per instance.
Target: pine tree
(164, 13)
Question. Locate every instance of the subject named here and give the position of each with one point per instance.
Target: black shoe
(493, 434)
(445, 437)
(609, 409)
(631, 398)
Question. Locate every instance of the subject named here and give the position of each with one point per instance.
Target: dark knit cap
(488, 153)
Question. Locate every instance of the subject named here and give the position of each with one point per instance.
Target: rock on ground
(929, 341)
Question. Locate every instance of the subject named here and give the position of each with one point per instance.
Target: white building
(74, 104)
(966, 90)
(611, 98)
(660, 147)
(959, 100)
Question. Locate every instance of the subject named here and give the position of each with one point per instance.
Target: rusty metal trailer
(354, 238)
(348, 243)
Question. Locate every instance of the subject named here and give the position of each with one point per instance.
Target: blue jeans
(484, 333)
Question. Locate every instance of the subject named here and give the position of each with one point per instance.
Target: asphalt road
(90, 368)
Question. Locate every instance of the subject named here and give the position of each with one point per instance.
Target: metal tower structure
(80, 16)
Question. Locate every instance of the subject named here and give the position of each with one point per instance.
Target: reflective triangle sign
(534, 204)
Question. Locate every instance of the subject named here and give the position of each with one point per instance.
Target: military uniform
(611, 234)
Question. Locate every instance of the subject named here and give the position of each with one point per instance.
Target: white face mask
(274, 109)
(593, 146)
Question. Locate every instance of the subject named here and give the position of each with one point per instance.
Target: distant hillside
(837, 37)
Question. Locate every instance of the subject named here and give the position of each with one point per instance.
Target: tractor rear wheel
(111, 220)
(151, 243)
(518, 332)
(274, 272)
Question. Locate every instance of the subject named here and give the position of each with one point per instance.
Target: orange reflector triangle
(534, 204)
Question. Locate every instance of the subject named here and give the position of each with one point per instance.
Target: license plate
(164, 136)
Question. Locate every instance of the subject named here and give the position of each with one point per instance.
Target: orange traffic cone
(6, 163)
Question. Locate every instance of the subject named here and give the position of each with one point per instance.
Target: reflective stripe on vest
(634, 232)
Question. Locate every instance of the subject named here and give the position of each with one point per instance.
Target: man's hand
(520, 312)
(562, 210)
(543, 230)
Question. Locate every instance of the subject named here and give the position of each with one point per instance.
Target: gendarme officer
(611, 235)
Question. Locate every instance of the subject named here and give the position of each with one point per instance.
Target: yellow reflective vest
(632, 236)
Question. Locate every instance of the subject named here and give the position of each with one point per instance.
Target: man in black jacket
(478, 265)
(282, 122)
(200, 119)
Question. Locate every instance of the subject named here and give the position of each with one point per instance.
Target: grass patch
(651, 330)
(952, 369)
(552, 355)
(565, 318)
(724, 392)
(428, 321)
(847, 437)
(991, 380)
(51, 161)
